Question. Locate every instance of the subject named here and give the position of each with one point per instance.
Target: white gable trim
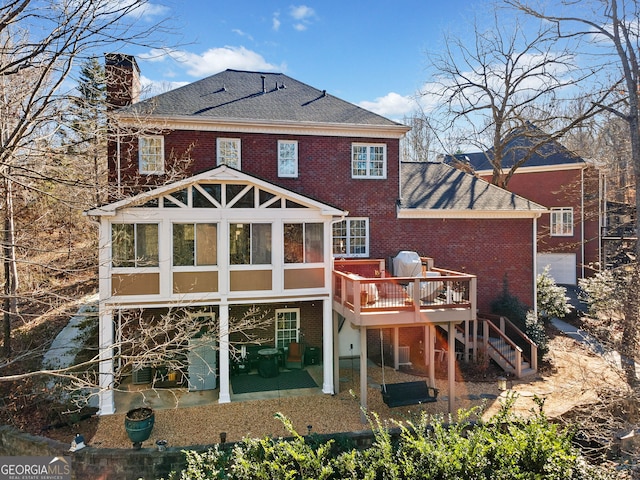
(467, 214)
(541, 168)
(222, 173)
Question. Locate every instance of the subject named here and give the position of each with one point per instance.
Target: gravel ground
(573, 380)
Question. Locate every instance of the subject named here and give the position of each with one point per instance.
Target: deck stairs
(505, 344)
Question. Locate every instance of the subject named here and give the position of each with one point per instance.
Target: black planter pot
(138, 423)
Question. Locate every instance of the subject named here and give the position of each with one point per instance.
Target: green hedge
(506, 447)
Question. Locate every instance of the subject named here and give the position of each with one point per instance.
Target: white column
(224, 396)
(107, 403)
(328, 354)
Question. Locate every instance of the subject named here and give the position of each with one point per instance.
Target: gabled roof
(255, 96)
(550, 154)
(436, 190)
(221, 173)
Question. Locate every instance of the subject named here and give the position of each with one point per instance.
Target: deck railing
(437, 290)
(502, 327)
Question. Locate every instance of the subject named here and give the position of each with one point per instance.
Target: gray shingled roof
(239, 95)
(436, 186)
(549, 154)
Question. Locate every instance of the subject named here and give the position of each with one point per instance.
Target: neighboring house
(569, 237)
(619, 235)
(251, 188)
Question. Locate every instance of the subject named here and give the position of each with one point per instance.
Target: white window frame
(368, 160)
(290, 171)
(151, 163)
(559, 227)
(279, 341)
(137, 262)
(348, 239)
(225, 158)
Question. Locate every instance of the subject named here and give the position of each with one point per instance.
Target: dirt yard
(572, 379)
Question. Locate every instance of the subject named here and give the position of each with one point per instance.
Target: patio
(247, 387)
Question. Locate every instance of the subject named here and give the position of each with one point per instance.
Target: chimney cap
(121, 60)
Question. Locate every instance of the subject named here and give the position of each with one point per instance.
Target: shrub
(535, 330)
(602, 293)
(551, 298)
(506, 447)
(510, 306)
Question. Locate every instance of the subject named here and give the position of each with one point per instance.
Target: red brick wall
(491, 249)
(310, 322)
(563, 189)
(324, 167)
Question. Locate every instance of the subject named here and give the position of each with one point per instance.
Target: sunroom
(213, 249)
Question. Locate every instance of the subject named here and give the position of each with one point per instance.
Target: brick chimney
(123, 80)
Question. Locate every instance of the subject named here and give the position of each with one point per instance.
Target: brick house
(569, 238)
(249, 188)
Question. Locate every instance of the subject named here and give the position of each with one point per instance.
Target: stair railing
(504, 325)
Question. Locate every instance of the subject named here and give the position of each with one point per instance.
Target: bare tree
(41, 43)
(609, 29)
(419, 143)
(504, 84)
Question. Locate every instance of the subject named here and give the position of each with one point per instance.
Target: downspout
(582, 221)
(602, 185)
(535, 266)
(118, 166)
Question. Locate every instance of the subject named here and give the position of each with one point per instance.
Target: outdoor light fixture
(223, 437)
(502, 383)
(309, 427)
(77, 443)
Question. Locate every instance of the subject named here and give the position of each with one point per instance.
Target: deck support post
(451, 367)
(363, 373)
(430, 344)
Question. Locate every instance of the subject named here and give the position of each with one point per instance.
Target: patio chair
(295, 356)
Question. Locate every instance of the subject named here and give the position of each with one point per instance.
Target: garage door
(562, 266)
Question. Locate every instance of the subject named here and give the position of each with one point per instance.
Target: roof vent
(264, 86)
(324, 93)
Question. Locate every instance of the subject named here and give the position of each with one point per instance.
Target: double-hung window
(368, 160)
(287, 326)
(303, 242)
(561, 221)
(194, 244)
(134, 244)
(151, 154)
(351, 237)
(228, 152)
(287, 158)
(250, 243)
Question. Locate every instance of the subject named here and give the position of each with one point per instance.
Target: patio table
(268, 363)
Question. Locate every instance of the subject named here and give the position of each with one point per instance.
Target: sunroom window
(134, 244)
(250, 243)
(194, 244)
(303, 242)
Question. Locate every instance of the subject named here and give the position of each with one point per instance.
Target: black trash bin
(312, 356)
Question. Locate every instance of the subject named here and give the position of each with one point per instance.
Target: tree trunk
(10, 267)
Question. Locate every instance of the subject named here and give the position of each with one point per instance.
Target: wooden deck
(441, 296)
